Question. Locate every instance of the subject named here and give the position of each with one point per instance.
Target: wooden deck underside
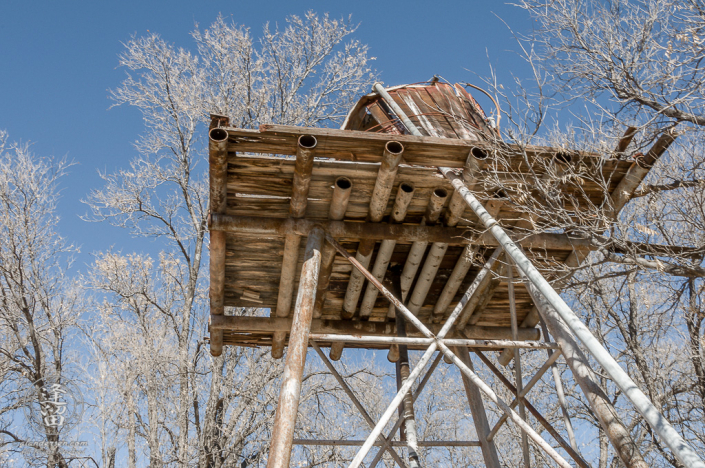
(260, 185)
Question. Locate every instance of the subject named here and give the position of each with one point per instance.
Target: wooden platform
(260, 173)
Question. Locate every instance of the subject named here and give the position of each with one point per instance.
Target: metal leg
(479, 417)
(559, 392)
(385, 441)
(287, 409)
(670, 437)
(517, 361)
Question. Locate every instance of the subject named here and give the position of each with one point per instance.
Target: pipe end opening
(394, 147)
(479, 153)
(440, 192)
(406, 187)
(218, 134)
(500, 194)
(563, 158)
(343, 183)
(307, 141)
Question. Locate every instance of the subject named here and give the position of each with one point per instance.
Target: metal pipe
(378, 204)
(290, 258)
(393, 443)
(618, 434)
(407, 406)
(302, 175)
(518, 377)
(414, 396)
(384, 254)
(473, 165)
(277, 227)
(290, 393)
(218, 164)
(427, 275)
(680, 448)
(482, 279)
(297, 209)
(336, 212)
(411, 341)
(524, 391)
(418, 248)
(462, 266)
(391, 158)
(559, 391)
(479, 416)
(438, 343)
(379, 89)
(549, 428)
(384, 441)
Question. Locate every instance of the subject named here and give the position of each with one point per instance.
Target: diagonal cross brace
(386, 444)
(437, 344)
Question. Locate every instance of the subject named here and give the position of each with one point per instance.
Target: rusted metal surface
(338, 205)
(287, 408)
(462, 266)
(286, 288)
(418, 248)
(546, 425)
(386, 248)
(457, 205)
(380, 196)
(302, 175)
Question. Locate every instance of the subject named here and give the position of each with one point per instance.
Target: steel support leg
(287, 409)
(668, 434)
(479, 416)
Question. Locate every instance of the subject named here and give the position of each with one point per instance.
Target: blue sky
(59, 59)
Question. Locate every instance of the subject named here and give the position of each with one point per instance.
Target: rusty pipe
(473, 165)
(386, 248)
(336, 212)
(290, 393)
(302, 175)
(391, 157)
(416, 253)
(462, 266)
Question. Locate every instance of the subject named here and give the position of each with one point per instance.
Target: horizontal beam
(500, 344)
(394, 443)
(279, 227)
(348, 327)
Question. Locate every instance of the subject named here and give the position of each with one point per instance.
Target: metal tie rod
(680, 448)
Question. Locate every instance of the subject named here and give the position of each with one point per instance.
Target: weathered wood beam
(278, 227)
(218, 170)
(245, 324)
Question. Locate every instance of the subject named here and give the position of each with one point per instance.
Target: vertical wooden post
(479, 416)
(287, 409)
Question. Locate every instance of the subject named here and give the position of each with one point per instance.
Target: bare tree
(39, 305)
(184, 405)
